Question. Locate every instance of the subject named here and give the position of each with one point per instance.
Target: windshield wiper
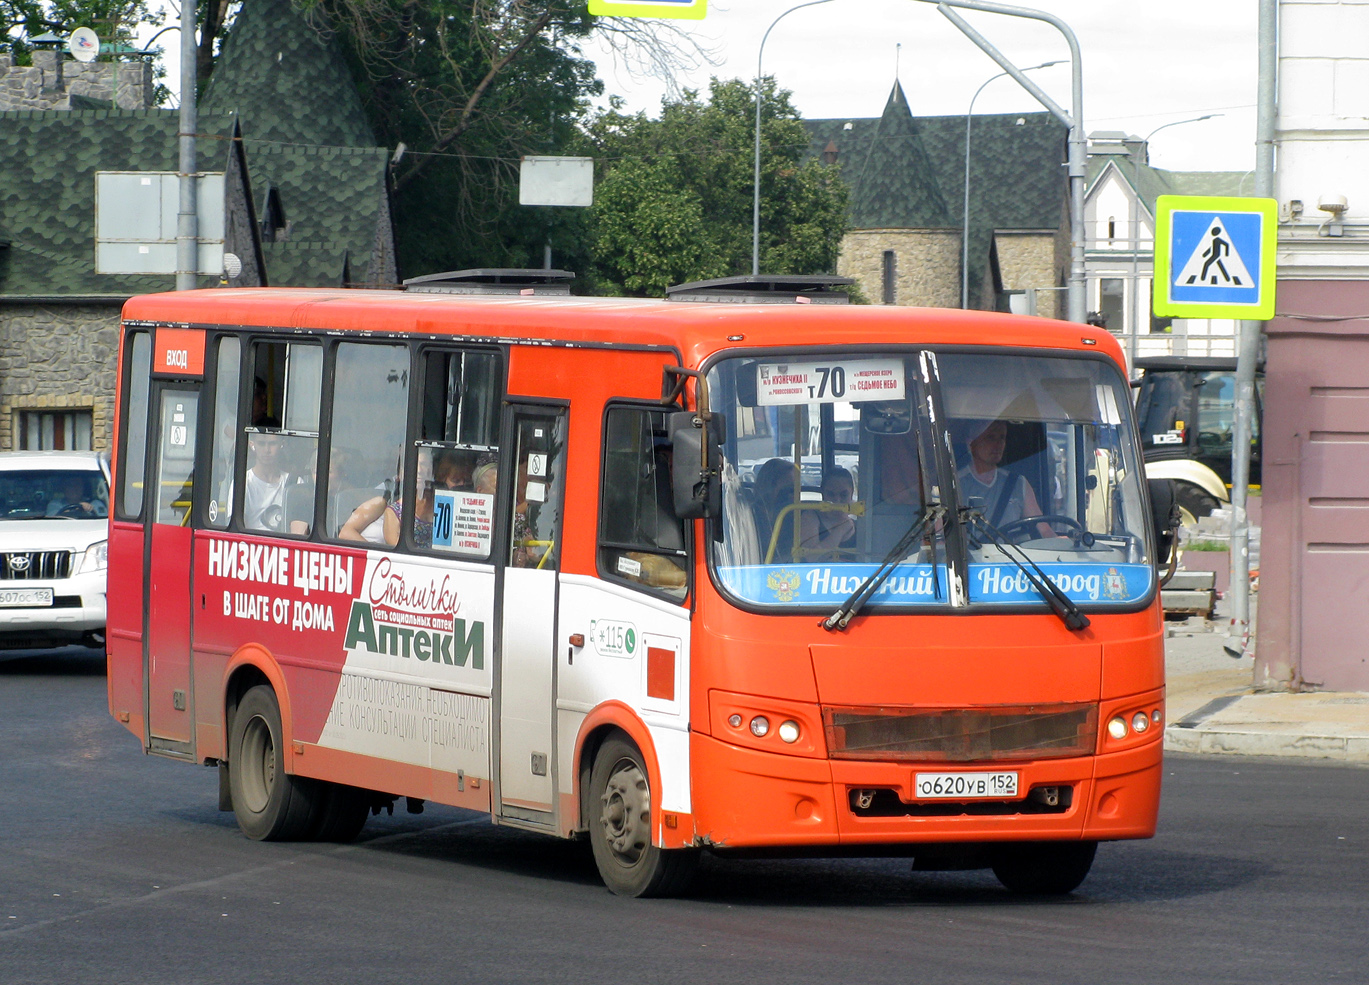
(852, 606)
(1061, 604)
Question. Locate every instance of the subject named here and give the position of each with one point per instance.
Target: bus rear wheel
(270, 804)
(1047, 868)
(619, 811)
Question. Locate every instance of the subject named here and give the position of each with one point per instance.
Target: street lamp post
(756, 180)
(965, 211)
(1078, 144)
(1135, 223)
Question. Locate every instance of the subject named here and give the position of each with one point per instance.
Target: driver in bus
(1002, 496)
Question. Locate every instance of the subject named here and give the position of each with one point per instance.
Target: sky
(1145, 64)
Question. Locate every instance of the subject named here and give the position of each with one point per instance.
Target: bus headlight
(789, 731)
(1117, 727)
(1140, 722)
(760, 725)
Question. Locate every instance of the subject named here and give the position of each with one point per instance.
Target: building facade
(1314, 565)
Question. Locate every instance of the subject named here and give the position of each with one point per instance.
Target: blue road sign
(1214, 257)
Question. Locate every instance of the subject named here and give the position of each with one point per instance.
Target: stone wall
(54, 77)
(58, 357)
(1035, 260)
(927, 264)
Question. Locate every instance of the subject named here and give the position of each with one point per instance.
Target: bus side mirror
(695, 483)
(1165, 506)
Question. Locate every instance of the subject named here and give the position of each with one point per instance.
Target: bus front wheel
(1050, 868)
(620, 827)
(270, 804)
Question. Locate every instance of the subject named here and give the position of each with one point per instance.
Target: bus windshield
(964, 464)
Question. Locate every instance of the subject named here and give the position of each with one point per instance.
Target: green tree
(674, 196)
(114, 21)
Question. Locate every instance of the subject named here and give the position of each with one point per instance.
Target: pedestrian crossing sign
(1214, 257)
(679, 9)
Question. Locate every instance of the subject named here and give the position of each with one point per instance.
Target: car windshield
(830, 463)
(28, 494)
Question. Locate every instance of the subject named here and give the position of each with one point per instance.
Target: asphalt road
(116, 867)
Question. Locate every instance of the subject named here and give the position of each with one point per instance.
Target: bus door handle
(577, 640)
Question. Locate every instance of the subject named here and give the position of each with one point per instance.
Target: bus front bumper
(745, 798)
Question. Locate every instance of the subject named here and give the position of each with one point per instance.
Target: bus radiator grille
(961, 735)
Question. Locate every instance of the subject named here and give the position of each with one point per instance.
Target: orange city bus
(675, 576)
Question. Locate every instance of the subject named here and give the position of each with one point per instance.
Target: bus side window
(133, 462)
(641, 540)
(458, 463)
(366, 454)
(282, 433)
(228, 369)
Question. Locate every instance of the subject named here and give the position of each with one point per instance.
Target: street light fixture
(965, 212)
(756, 180)
(1135, 222)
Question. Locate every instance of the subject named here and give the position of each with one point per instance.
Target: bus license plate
(964, 786)
(32, 597)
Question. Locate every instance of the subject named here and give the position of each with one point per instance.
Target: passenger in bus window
(260, 417)
(448, 471)
(776, 482)
(485, 478)
(827, 532)
(264, 492)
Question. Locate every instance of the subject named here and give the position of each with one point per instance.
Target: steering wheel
(75, 510)
(1012, 531)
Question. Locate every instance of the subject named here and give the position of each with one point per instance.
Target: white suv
(54, 530)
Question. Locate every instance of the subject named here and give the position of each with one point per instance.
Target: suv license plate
(20, 597)
(964, 786)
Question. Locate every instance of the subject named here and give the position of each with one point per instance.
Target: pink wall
(1314, 556)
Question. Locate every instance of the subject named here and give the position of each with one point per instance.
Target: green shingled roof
(285, 80)
(48, 161)
(1151, 182)
(332, 197)
(908, 172)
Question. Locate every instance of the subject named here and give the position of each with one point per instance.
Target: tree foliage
(114, 21)
(673, 201)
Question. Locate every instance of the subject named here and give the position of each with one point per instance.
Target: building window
(1112, 228)
(890, 272)
(1110, 306)
(54, 430)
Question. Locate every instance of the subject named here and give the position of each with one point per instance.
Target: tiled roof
(1151, 182)
(285, 80)
(48, 161)
(908, 172)
(332, 197)
(1017, 168)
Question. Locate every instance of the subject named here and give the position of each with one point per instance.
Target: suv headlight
(96, 558)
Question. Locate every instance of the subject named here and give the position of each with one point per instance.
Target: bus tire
(1193, 501)
(1046, 868)
(619, 813)
(342, 812)
(270, 804)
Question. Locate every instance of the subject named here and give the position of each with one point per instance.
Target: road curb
(1228, 741)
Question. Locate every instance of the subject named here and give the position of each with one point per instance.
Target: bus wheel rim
(626, 813)
(259, 765)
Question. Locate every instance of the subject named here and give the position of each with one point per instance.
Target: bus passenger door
(525, 681)
(167, 571)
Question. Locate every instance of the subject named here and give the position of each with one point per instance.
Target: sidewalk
(1213, 708)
